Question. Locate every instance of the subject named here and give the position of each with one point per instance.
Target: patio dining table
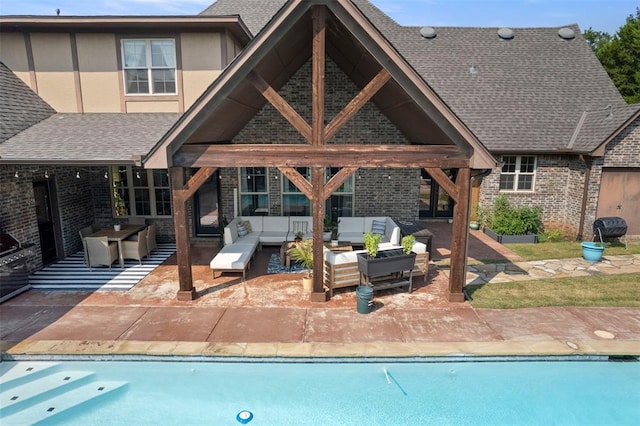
(117, 236)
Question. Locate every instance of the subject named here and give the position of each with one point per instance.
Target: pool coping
(313, 351)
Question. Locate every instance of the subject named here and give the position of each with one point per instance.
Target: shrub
(509, 220)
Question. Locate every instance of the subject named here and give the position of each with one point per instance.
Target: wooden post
(460, 237)
(183, 248)
(317, 79)
(317, 203)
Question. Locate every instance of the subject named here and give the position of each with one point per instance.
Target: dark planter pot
(386, 262)
(511, 239)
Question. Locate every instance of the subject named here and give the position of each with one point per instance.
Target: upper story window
(518, 173)
(149, 66)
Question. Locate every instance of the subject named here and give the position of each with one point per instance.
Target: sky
(600, 15)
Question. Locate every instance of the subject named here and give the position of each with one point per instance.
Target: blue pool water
(417, 393)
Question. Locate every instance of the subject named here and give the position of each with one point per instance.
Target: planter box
(511, 239)
(386, 262)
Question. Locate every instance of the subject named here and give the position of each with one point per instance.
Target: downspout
(588, 162)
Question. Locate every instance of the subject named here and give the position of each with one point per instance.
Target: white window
(254, 192)
(149, 66)
(145, 192)
(294, 202)
(518, 173)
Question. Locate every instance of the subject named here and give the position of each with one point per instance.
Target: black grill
(609, 227)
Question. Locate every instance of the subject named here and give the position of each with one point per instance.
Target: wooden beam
(356, 104)
(281, 105)
(444, 181)
(196, 181)
(337, 180)
(460, 237)
(181, 223)
(304, 155)
(317, 207)
(298, 180)
(317, 75)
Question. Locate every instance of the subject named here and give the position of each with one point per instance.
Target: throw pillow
(299, 226)
(378, 227)
(248, 227)
(242, 230)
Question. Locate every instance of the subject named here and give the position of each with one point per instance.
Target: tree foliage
(620, 55)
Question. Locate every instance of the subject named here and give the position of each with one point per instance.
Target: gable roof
(528, 93)
(20, 107)
(596, 128)
(281, 48)
(87, 139)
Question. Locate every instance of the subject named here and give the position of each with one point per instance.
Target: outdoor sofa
(244, 235)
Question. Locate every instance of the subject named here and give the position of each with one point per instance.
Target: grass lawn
(596, 291)
(567, 249)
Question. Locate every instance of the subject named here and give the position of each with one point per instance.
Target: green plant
(299, 235)
(371, 243)
(483, 217)
(507, 219)
(553, 235)
(407, 243)
(334, 233)
(119, 206)
(327, 224)
(303, 252)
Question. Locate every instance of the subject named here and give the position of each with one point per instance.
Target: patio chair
(100, 251)
(136, 249)
(85, 232)
(151, 239)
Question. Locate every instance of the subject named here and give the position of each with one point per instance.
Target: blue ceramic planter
(592, 252)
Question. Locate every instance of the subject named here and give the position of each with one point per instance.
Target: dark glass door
(434, 201)
(45, 214)
(207, 207)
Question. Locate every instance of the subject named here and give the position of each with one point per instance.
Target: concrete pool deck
(270, 316)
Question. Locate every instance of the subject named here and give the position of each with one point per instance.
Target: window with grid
(254, 193)
(149, 66)
(518, 173)
(340, 203)
(294, 202)
(145, 192)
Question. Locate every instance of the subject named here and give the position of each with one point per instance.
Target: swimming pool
(337, 393)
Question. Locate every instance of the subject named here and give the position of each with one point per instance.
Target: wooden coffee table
(341, 247)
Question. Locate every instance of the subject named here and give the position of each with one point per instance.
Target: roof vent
(428, 32)
(566, 33)
(505, 33)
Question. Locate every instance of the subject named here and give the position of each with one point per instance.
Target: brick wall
(622, 151)
(558, 190)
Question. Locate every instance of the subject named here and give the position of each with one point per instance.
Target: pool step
(49, 408)
(30, 393)
(24, 372)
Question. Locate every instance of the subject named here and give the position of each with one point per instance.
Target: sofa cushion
(255, 221)
(299, 226)
(275, 223)
(378, 227)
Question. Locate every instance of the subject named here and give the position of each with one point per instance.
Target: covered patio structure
(316, 32)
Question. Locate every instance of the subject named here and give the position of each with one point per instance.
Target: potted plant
(303, 252)
(376, 263)
(371, 243)
(298, 237)
(327, 227)
(120, 208)
(407, 243)
(334, 236)
(510, 224)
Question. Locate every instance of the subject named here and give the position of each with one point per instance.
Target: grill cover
(610, 227)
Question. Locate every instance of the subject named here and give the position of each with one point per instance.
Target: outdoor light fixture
(46, 174)
(16, 175)
(106, 175)
(77, 175)
(138, 174)
(473, 69)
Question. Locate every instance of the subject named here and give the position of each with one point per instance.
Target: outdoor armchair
(100, 251)
(135, 249)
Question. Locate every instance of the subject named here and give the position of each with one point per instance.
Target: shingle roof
(88, 138)
(596, 126)
(528, 94)
(254, 13)
(20, 107)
